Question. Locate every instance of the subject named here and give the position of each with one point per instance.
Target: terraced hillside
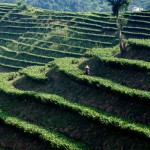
(35, 37)
(46, 100)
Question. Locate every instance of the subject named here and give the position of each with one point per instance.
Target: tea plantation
(46, 100)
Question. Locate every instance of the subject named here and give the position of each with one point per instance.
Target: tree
(119, 6)
(21, 5)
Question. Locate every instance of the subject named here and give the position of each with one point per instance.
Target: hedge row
(71, 70)
(10, 66)
(96, 37)
(137, 17)
(9, 35)
(92, 35)
(82, 40)
(22, 24)
(25, 39)
(92, 21)
(85, 30)
(18, 16)
(136, 35)
(83, 24)
(46, 44)
(4, 10)
(105, 56)
(36, 35)
(37, 50)
(141, 30)
(17, 62)
(106, 18)
(25, 29)
(91, 113)
(2, 13)
(95, 26)
(55, 139)
(138, 22)
(24, 55)
(142, 44)
(37, 73)
(137, 65)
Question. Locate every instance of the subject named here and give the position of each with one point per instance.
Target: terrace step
(22, 47)
(47, 44)
(141, 96)
(25, 29)
(52, 138)
(114, 122)
(24, 55)
(17, 62)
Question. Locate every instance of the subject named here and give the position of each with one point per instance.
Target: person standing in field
(87, 70)
(123, 48)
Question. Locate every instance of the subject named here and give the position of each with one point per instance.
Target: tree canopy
(77, 5)
(118, 5)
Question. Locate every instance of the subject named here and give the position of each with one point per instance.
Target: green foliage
(136, 65)
(107, 56)
(75, 61)
(37, 73)
(100, 82)
(91, 113)
(66, 5)
(119, 5)
(56, 140)
(74, 5)
(142, 44)
(21, 5)
(74, 32)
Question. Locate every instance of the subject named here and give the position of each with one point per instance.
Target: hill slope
(35, 37)
(48, 102)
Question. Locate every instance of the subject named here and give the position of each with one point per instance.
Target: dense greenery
(117, 7)
(35, 72)
(143, 44)
(113, 100)
(55, 139)
(88, 112)
(77, 5)
(66, 5)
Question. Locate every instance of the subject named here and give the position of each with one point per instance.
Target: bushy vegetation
(73, 5)
(37, 73)
(67, 5)
(34, 41)
(142, 44)
(88, 112)
(55, 139)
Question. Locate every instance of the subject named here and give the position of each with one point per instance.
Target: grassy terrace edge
(37, 73)
(106, 56)
(88, 112)
(44, 49)
(56, 140)
(137, 65)
(65, 66)
(139, 44)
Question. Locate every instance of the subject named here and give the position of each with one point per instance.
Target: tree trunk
(120, 35)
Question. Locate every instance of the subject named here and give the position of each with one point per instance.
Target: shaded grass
(54, 139)
(133, 79)
(70, 124)
(13, 139)
(62, 85)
